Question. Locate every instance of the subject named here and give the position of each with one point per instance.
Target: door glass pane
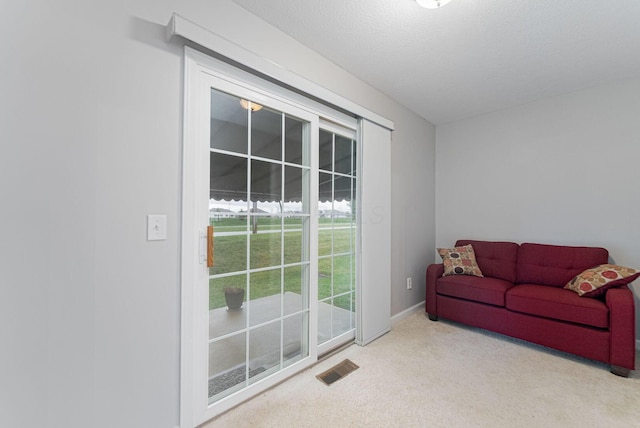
(294, 333)
(293, 129)
(293, 185)
(325, 192)
(265, 296)
(324, 278)
(342, 234)
(227, 365)
(266, 134)
(343, 313)
(325, 317)
(229, 123)
(341, 274)
(295, 248)
(227, 298)
(342, 193)
(343, 155)
(326, 151)
(264, 349)
(295, 295)
(325, 210)
(325, 235)
(266, 187)
(228, 177)
(290, 208)
(266, 241)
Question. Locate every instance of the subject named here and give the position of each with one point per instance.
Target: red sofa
(521, 295)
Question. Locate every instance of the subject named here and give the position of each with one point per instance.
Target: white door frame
(202, 73)
(374, 212)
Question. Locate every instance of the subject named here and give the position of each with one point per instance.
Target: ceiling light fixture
(250, 105)
(432, 4)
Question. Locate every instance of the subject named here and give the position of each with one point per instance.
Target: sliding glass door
(269, 237)
(259, 207)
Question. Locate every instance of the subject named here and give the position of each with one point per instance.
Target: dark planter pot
(234, 298)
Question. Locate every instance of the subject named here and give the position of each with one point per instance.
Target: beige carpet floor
(441, 374)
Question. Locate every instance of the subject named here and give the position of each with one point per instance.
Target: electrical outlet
(409, 283)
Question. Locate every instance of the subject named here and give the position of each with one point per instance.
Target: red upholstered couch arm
(434, 272)
(622, 326)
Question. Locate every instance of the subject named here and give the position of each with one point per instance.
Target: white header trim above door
(179, 26)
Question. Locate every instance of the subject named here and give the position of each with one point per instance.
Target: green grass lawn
(230, 256)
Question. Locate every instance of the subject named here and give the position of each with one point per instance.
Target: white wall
(413, 163)
(562, 170)
(91, 112)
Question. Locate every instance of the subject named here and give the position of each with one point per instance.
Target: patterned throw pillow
(459, 261)
(595, 281)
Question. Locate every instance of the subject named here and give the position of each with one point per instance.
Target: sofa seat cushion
(478, 289)
(557, 303)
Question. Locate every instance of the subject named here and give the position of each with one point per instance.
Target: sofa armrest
(622, 327)
(434, 272)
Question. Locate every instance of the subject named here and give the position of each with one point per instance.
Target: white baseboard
(407, 312)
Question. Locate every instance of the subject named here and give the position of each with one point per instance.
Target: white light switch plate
(156, 227)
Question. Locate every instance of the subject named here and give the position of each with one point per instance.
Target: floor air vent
(337, 372)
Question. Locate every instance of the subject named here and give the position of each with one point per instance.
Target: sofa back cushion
(555, 265)
(495, 259)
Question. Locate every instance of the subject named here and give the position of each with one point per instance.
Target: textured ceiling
(471, 56)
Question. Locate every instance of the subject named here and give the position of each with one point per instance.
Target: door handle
(205, 244)
(209, 246)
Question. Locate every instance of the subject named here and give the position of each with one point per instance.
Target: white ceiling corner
(471, 56)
